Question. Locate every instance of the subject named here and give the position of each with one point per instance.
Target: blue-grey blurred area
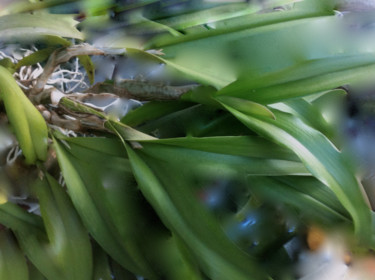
(359, 133)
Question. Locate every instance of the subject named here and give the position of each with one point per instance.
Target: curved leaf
(115, 213)
(27, 122)
(30, 26)
(321, 158)
(178, 208)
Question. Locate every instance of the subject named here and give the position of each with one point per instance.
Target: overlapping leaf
(301, 80)
(55, 241)
(248, 47)
(172, 197)
(107, 198)
(321, 158)
(12, 262)
(28, 124)
(313, 200)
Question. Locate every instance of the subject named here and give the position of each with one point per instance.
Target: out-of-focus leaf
(152, 110)
(251, 51)
(265, 46)
(96, 7)
(301, 80)
(127, 132)
(321, 158)
(86, 188)
(142, 25)
(114, 211)
(120, 273)
(16, 218)
(36, 57)
(8, 64)
(89, 66)
(197, 121)
(31, 26)
(310, 197)
(54, 241)
(55, 41)
(34, 273)
(27, 122)
(12, 261)
(24, 6)
(218, 13)
(247, 107)
(102, 269)
(244, 146)
(171, 256)
(298, 10)
(307, 112)
(175, 203)
(51, 43)
(69, 242)
(224, 162)
(330, 106)
(185, 72)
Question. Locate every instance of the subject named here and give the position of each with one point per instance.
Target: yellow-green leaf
(28, 124)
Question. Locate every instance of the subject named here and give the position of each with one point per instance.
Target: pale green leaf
(31, 26)
(28, 124)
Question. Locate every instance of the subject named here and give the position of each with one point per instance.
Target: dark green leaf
(321, 158)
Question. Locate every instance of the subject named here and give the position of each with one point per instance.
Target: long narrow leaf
(321, 158)
(177, 207)
(28, 123)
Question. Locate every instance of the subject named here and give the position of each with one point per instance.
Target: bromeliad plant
(208, 179)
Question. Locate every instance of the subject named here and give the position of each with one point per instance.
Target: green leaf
(223, 162)
(311, 198)
(31, 26)
(304, 79)
(246, 107)
(25, 6)
(102, 270)
(197, 121)
(202, 77)
(126, 132)
(251, 50)
(98, 206)
(28, 124)
(16, 218)
(152, 110)
(51, 43)
(57, 239)
(218, 13)
(175, 203)
(8, 64)
(69, 243)
(320, 157)
(36, 57)
(242, 146)
(89, 66)
(115, 213)
(12, 261)
(307, 112)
